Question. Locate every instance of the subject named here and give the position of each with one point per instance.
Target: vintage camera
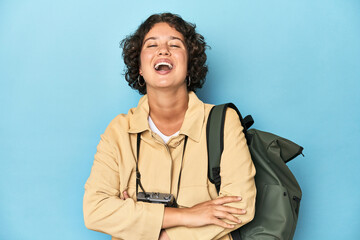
(154, 197)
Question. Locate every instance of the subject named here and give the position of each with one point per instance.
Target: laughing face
(163, 58)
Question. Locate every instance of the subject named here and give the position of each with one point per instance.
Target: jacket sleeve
(105, 212)
(237, 173)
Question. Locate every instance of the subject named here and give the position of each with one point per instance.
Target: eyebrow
(171, 37)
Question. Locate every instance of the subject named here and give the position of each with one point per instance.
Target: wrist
(181, 214)
(173, 217)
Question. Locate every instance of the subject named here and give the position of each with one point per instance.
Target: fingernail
(239, 221)
(244, 211)
(239, 198)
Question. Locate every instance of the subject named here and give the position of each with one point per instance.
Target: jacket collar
(139, 116)
(192, 125)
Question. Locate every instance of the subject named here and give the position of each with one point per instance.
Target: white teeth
(163, 63)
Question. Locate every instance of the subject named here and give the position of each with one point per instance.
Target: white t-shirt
(157, 131)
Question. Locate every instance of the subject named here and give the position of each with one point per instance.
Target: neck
(167, 109)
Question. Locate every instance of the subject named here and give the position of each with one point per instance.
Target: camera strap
(138, 175)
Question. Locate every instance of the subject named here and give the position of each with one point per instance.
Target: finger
(126, 195)
(221, 223)
(228, 216)
(232, 210)
(227, 199)
(164, 235)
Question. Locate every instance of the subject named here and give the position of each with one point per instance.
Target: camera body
(155, 197)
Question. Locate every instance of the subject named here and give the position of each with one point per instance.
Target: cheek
(144, 58)
(185, 61)
(145, 53)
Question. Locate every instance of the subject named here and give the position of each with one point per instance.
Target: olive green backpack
(278, 192)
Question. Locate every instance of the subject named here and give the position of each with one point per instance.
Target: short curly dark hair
(195, 44)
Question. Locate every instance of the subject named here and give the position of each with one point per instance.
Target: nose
(163, 50)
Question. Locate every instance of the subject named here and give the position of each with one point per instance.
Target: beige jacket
(114, 167)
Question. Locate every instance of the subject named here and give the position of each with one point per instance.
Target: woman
(165, 60)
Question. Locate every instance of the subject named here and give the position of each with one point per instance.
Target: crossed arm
(104, 210)
(202, 214)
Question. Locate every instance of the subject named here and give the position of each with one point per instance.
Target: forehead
(163, 30)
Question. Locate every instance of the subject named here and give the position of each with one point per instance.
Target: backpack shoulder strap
(215, 139)
(215, 143)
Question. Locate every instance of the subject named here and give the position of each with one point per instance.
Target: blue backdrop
(294, 65)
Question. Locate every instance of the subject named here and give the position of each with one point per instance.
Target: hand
(125, 195)
(213, 212)
(163, 235)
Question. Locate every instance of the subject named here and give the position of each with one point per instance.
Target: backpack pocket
(273, 215)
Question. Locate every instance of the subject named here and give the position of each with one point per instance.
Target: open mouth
(163, 66)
